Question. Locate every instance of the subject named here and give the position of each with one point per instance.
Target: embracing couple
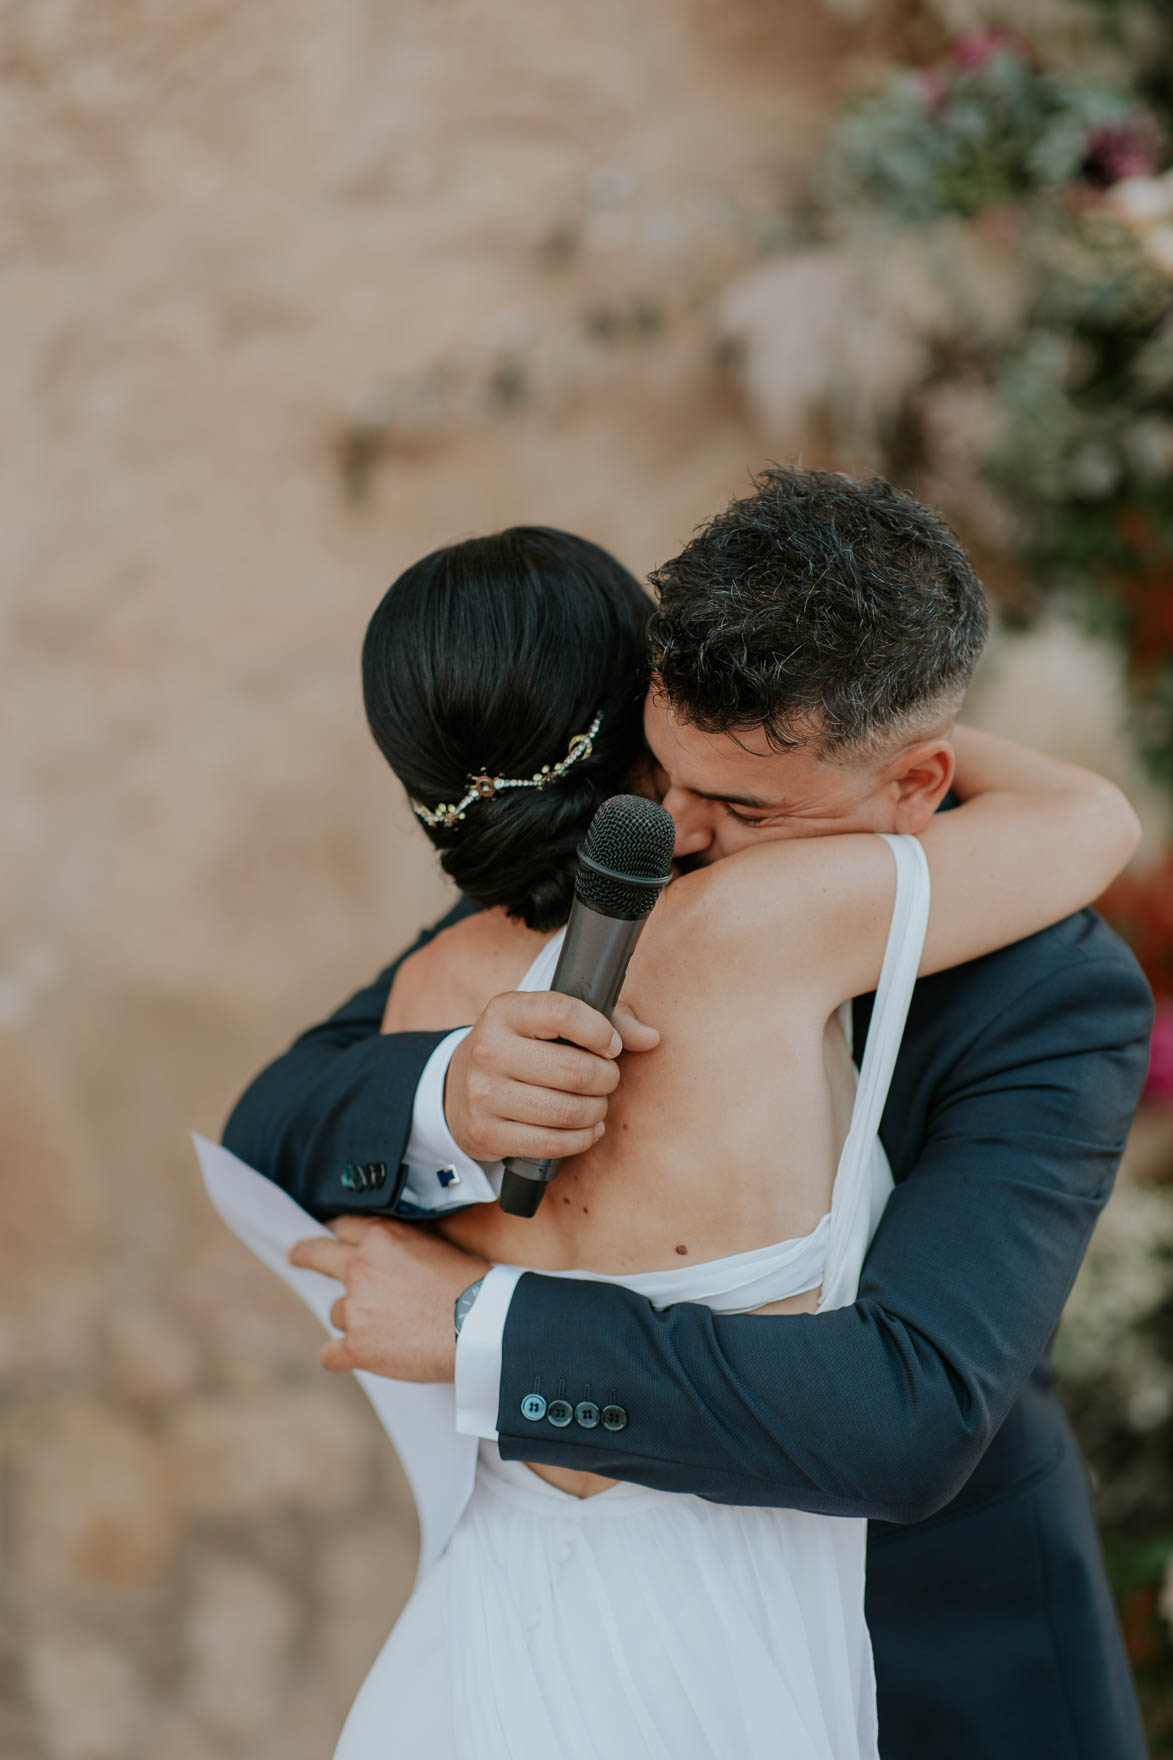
(773, 1313)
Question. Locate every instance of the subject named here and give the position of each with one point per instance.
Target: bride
(741, 1167)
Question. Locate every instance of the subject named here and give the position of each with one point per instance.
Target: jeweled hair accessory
(484, 786)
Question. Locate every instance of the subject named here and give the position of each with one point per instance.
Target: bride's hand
(513, 1089)
(401, 1283)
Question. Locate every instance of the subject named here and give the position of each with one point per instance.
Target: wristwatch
(462, 1307)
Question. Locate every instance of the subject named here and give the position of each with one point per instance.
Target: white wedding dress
(635, 1624)
(647, 1625)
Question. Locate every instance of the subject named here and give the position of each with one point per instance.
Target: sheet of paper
(419, 1418)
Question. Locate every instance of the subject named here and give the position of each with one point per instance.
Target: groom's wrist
(478, 1353)
(440, 1176)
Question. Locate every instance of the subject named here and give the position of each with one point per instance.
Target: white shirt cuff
(440, 1176)
(478, 1353)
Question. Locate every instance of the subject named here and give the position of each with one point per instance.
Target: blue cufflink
(447, 1176)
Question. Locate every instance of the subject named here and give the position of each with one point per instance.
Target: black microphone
(623, 866)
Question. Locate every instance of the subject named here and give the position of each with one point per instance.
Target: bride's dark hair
(491, 656)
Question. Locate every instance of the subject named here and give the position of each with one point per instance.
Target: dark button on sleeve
(559, 1412)
(586, 1414)
(614, 1418)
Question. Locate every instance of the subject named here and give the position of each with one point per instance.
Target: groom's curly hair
(830, 612)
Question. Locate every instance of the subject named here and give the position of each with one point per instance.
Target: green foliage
(945, 142)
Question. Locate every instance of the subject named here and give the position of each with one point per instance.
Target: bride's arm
(1033, 840)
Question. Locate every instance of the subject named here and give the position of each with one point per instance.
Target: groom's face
(726, 793)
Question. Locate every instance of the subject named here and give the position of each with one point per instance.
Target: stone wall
(295, 292)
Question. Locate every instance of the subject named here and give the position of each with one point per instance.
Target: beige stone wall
(293, 292)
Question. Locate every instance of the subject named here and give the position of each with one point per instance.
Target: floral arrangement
(985, 127)
(991, 245)
(1063, 183)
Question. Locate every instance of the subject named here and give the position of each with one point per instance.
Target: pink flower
(1119, 150)
(1159, 1084)
(973, 49)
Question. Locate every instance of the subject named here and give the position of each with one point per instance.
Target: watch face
(464, 1302)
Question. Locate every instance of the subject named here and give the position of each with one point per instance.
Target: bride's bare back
(723, 1138)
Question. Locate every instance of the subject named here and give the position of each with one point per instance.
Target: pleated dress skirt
(633, 1625)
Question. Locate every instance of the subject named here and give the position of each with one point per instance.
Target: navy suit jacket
(925, 1406)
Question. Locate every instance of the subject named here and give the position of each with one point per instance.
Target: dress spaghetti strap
(851, 1198)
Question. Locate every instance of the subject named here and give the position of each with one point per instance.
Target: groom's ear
(919, 779)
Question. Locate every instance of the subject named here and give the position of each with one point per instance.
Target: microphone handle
(592, 966)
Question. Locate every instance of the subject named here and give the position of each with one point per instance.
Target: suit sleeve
(329, 1120)
(881, 1409)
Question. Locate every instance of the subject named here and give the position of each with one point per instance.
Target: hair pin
(484, 786)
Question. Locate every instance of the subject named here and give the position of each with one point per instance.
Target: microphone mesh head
(632, 837)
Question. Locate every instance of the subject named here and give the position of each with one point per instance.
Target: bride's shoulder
(790, 897)
(753, 881)
(447, 982)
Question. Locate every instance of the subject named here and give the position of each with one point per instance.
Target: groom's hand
(401, 1283)
(513, 1089)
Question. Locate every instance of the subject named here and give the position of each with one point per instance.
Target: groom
(814, 607)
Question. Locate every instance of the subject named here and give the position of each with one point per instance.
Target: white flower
(1142, 201)
(1145, 206)
(1157, 245)
(850, 332)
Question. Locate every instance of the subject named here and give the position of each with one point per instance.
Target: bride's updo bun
(491, 656)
